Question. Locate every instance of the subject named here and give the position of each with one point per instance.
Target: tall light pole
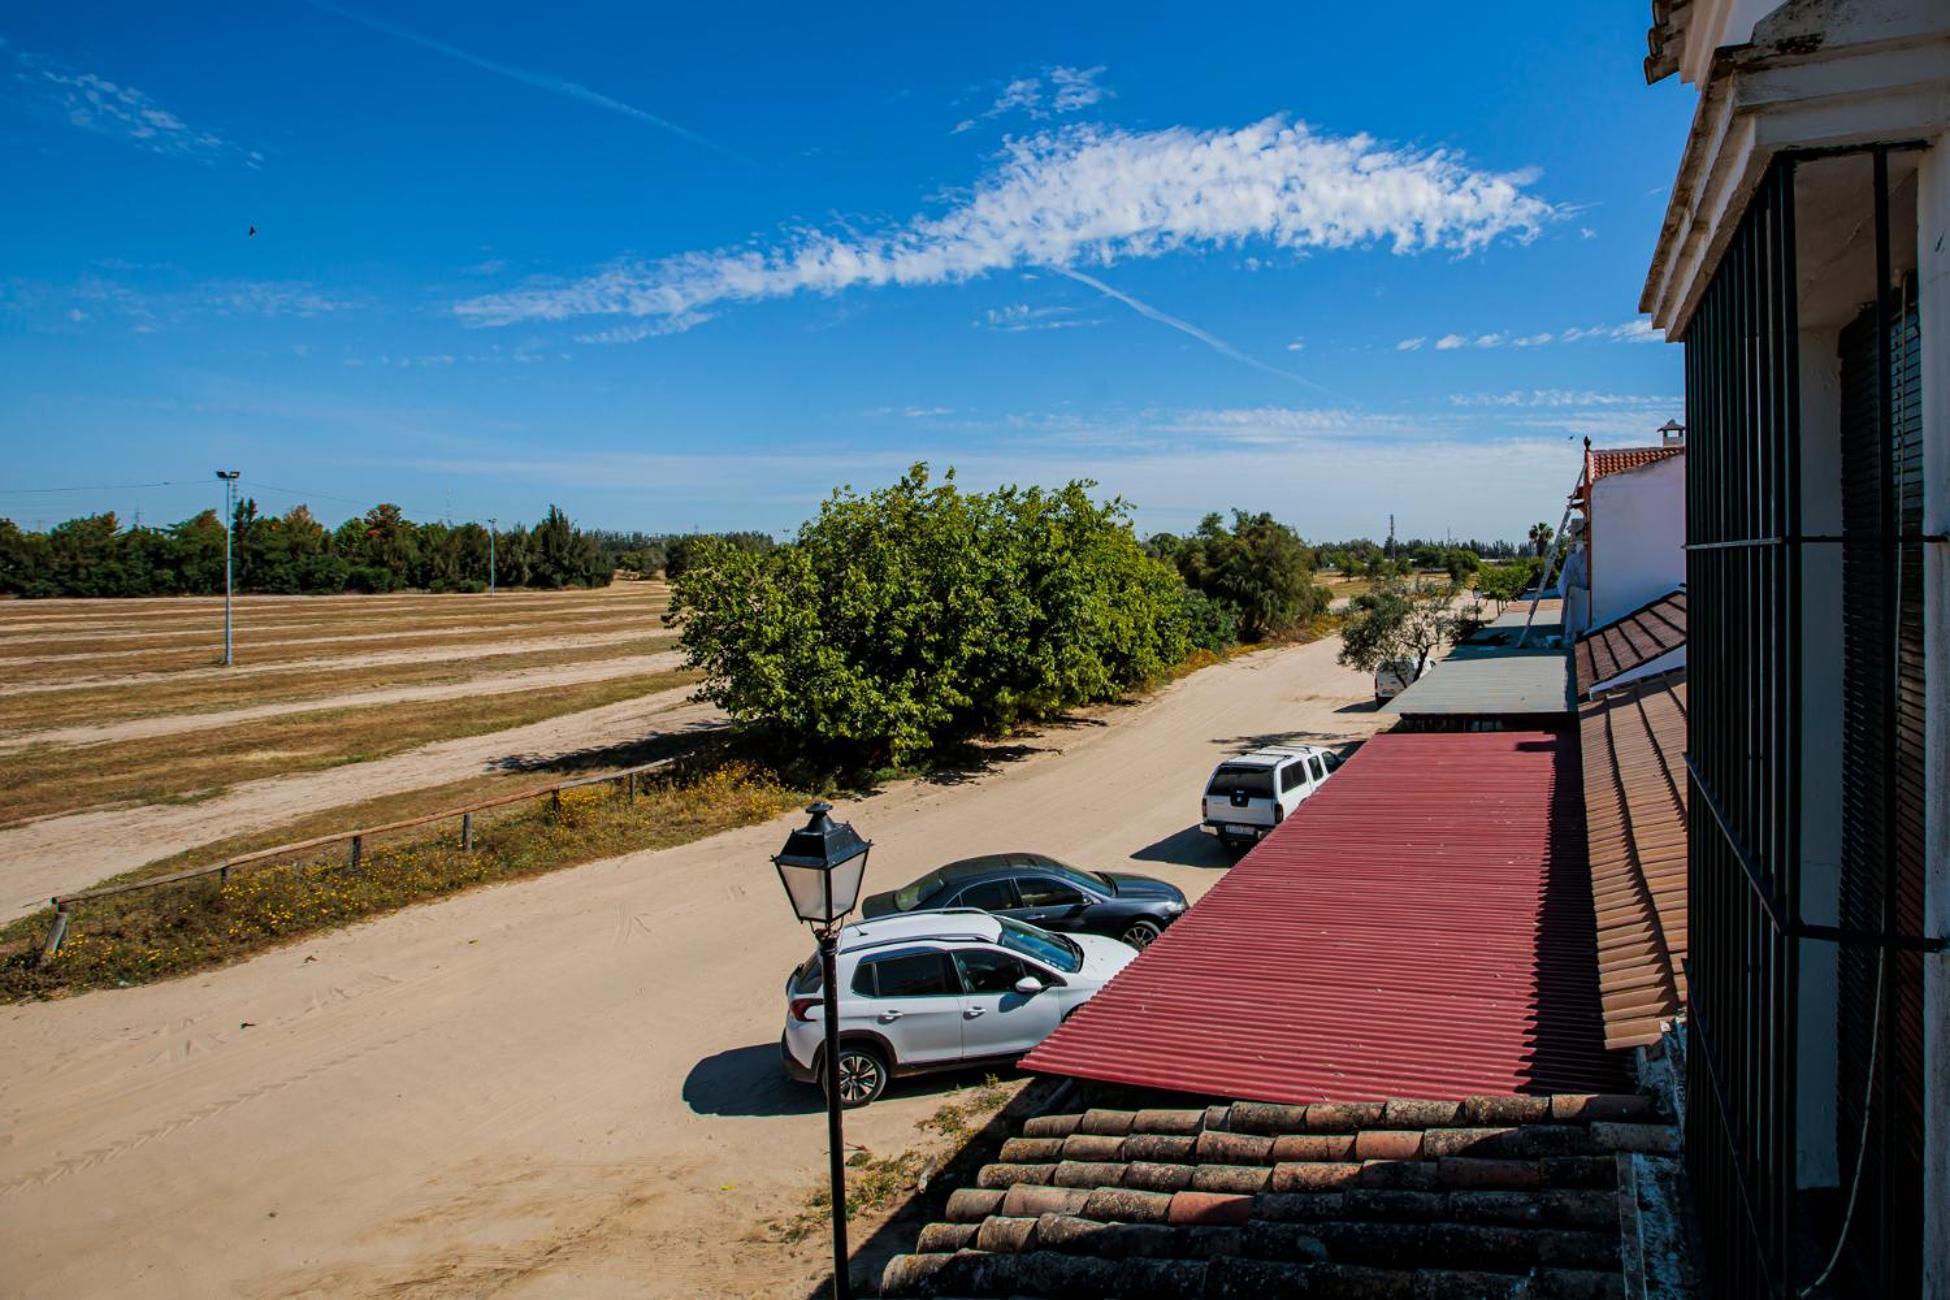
(229, 477)
(821, 868)
(491, 523)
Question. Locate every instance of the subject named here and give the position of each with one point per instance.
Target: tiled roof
(1420, 927)
(1632, 641)
(1614, 460)
(1635, 815)
(1481, 1197)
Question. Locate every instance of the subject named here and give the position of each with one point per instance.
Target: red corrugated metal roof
(1421, 927)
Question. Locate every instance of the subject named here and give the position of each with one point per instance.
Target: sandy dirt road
(54, 854)
(563, 1087)
(520, 679)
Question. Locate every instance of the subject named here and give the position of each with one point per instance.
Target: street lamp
(229, 477)
(821, 867)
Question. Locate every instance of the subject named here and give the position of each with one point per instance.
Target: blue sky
(692, 270)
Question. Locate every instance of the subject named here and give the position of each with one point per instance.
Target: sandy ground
(478, 650)
(57, 854)
(521, 679)
(563, 1087)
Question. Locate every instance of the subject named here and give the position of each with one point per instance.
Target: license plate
(1233, 828)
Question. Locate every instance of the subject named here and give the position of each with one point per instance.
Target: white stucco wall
(1638, 537)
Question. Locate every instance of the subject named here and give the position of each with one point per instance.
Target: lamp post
(229, 477)
(491, 531)
(821, 867)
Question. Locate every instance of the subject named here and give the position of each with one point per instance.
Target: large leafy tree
(919, 615)
(1258, 568)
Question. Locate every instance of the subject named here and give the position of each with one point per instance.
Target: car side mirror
(1029, 985)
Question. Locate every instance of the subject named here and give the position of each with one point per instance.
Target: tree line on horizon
(294, 554)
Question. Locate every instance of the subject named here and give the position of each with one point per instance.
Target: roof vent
(1672, 434)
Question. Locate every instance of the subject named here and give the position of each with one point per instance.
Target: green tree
(1398, 622)
(917, 616)
(1259, 568)
(1541, 536)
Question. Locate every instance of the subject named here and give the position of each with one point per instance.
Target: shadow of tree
(628, 753)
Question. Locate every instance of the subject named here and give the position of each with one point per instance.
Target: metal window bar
(1744, 550)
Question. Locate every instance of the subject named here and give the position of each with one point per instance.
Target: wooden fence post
(632, 795)
(59, 931)
(223, 875)
(555, 803)
(467, 831)
(358, 847)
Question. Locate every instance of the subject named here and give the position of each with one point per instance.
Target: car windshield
(1257, 782)
(1049, 949)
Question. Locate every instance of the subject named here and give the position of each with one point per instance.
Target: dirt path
(567, 1086)
(522, 679)
(479, 650)
(41, 858)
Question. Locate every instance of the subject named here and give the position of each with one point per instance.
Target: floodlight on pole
(491, 524)
(229, 477)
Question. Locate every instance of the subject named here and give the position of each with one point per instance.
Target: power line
(101, 487)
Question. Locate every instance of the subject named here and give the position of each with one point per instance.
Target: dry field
(119, 724)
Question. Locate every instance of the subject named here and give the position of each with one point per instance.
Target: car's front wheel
(863, 1075)
(1139, 934)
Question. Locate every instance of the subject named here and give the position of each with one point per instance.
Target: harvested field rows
(116, 707)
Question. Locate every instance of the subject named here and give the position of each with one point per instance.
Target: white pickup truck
(1252, 793)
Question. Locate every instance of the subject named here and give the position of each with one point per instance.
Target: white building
(1631, 547)
(1804, 262)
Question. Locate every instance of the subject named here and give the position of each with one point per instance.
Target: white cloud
(1410, 345)
(1091, 196)
(1069, 90)
(1298, 345)
(266, 298)
(97, 104)
(1021, 318)
(1633, 331)
(1562, 397)
(1076, 88)
(641, 330)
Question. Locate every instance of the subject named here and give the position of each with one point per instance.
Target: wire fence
(282, 855)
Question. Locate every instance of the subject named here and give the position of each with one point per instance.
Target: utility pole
(229, 477)
(1391, 536)
(491, 523)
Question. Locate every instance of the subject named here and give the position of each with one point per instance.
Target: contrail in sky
(1212, 341)
(539, 80)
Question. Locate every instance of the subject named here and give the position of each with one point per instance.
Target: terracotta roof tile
(1445, 1209)
(1631, 641)
(1635, 824)
(1614, 460)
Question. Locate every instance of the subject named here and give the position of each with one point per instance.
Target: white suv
(1250, 794)
(933, 990)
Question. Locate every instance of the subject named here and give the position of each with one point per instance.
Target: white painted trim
(1665, 663)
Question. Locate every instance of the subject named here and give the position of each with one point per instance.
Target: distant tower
(1391, 536)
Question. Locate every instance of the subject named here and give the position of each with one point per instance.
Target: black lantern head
(821, 868)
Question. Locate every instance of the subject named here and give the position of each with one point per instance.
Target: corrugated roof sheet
(1634, 743)
(1490, 675)
(1420, 927)
(1631, 642)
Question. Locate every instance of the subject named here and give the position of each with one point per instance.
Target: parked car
(1250, 794)
(1393, 676)
(935, 990)
(1043, 892)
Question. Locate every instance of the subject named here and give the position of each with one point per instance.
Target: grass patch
(41, 780)
(308, 681)
(177, 929)
(874, 1182)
